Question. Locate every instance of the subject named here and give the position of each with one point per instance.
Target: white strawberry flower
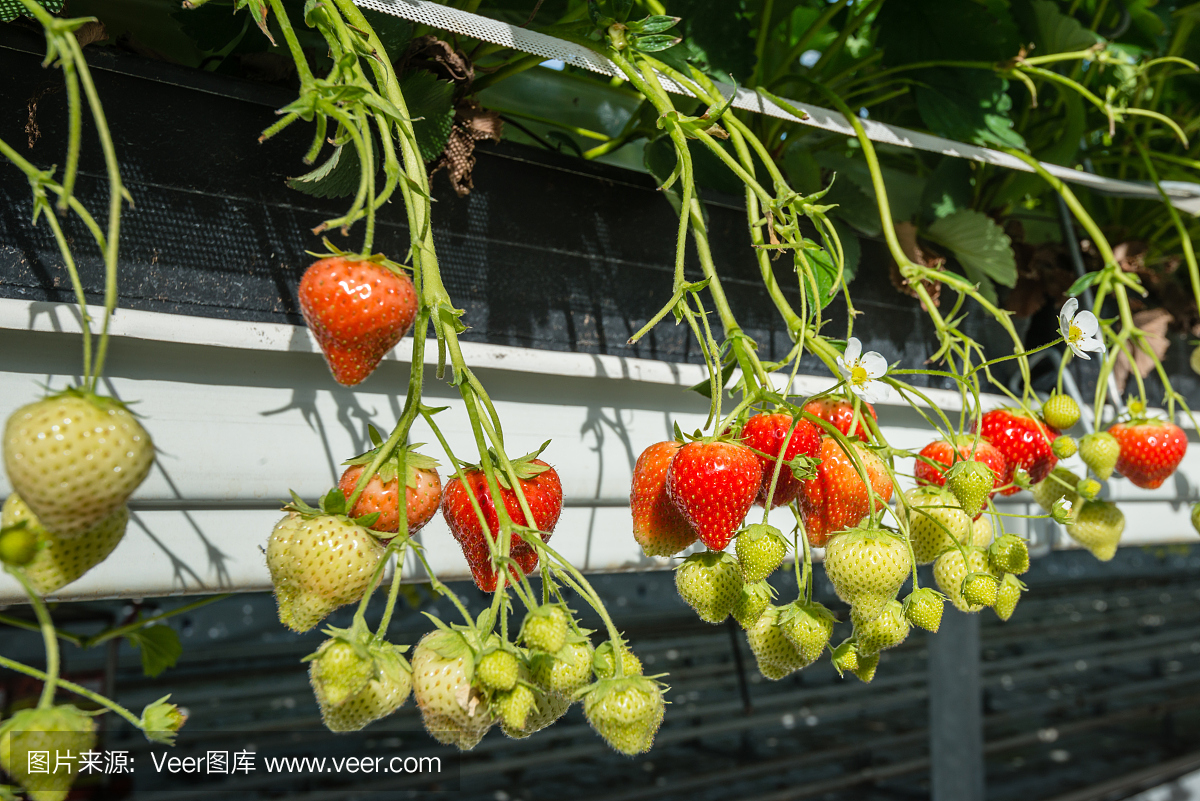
(1080, 329)
(862, 371)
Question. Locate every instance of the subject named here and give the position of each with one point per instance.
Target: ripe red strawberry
(714, 484)
(422, 493)
(765, 434)
(965, 447)
(840, 413)
(658, 526)
(836, 498)
(543, 491)
(1025, 442)
(1150, 450)
(357, 311)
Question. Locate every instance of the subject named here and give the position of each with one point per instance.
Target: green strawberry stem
(17, 623)
(49, 636)
(439, 587)
(393, 590)
(71, 686)
(778, 466)
(121, 631)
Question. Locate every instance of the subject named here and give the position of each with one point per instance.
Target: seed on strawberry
(1025, 442)
(497, 670)
(760, 549)
(980, 589)
(950, 570)
(422, 490)
(840, 413)
(971, 483)
(545, 628)
(941, 452)
(1150, 450)
(711, 583)
(58, 562)
(604, 664)
(808, 627)
(57, 730)
(384, 692)
(1009, 554)
(319, 563)
(75, 458)
(1098, 527)
(543, 490)
(1060, 411)
(1007, 596)
(713, 484)
(888, 630)
(1060, 483)
(923, 607)
(752, 601)
(867, 568)
(836, 498)
(1064, 447)
(515, 706)
(357, 311)
(453, 710)
(766, 434)
(775, 654)
(659, 527)
(1100, 452)
(935, 522)
(626, 712)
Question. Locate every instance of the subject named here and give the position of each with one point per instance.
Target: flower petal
(1068, 309)
(875, 365)
(853, 350)
(1086, 322)
(1078, 351)
(1094, 344)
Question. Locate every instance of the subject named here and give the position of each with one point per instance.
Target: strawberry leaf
(160, 648)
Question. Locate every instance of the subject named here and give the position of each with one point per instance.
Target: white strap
(1184, 196)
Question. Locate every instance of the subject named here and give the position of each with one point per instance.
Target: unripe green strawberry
(1196, 512)
(545, 628)
(1060, 411)
(1088, 489)
(867, 664)
(1060, 483)
(1007, 596)
(58, 562)
(605, 666)
(845, 657)
(1009, 554)
(318, 564)
(950, 570)
(1098, 527)
(807, 626)
(753, 599)
(453, 710)
(497, 670)
(711, 583)
(626, 712)
(971, 482)
(923, 607)
(75, 458)
(339, 669)
(1100, 451)
(1064, 447)
(935, 522)
(980, 589)
(515, 706)
(548, 705)
(867, 568)
(775, 654)
(546, 709)
(886, 631)
(18, 545)
(981, 532)
(59, 729)
(566, 670)
(384, 693)
(760, 550)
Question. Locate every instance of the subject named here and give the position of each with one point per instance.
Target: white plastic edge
(1184, 196)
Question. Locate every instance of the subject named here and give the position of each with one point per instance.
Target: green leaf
(802, 169)
(718, 36)
(338, 176)
(947, 190)
(1059, 33)
(903, 188)
(160, 648)
(705, 388)
(854, 207)
(655, 42)
(431, 104)
(954, 30)
(1083, 282)
(394, 32)
(656, 23)
(967, 106)
(978, 243)
(825, 271)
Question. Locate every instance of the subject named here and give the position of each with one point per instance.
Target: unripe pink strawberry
(75, 458)
(58, 562)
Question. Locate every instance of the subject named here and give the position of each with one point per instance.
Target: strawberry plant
(764, 445)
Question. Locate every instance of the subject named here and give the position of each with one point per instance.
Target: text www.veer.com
(379, 764)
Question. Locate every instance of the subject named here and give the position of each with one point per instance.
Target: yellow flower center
(858, 375)
(1074, 333)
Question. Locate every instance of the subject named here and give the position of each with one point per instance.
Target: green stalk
(71, 686)
(49, 637)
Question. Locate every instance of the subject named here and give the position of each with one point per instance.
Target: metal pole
(955, 710)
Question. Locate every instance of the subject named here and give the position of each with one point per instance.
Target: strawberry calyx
(375, 258)
(102, 402)
(333, 504)
(523, 466)
(649, 685)
(389, 469)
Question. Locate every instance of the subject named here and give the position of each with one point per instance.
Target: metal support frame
(955, 710)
